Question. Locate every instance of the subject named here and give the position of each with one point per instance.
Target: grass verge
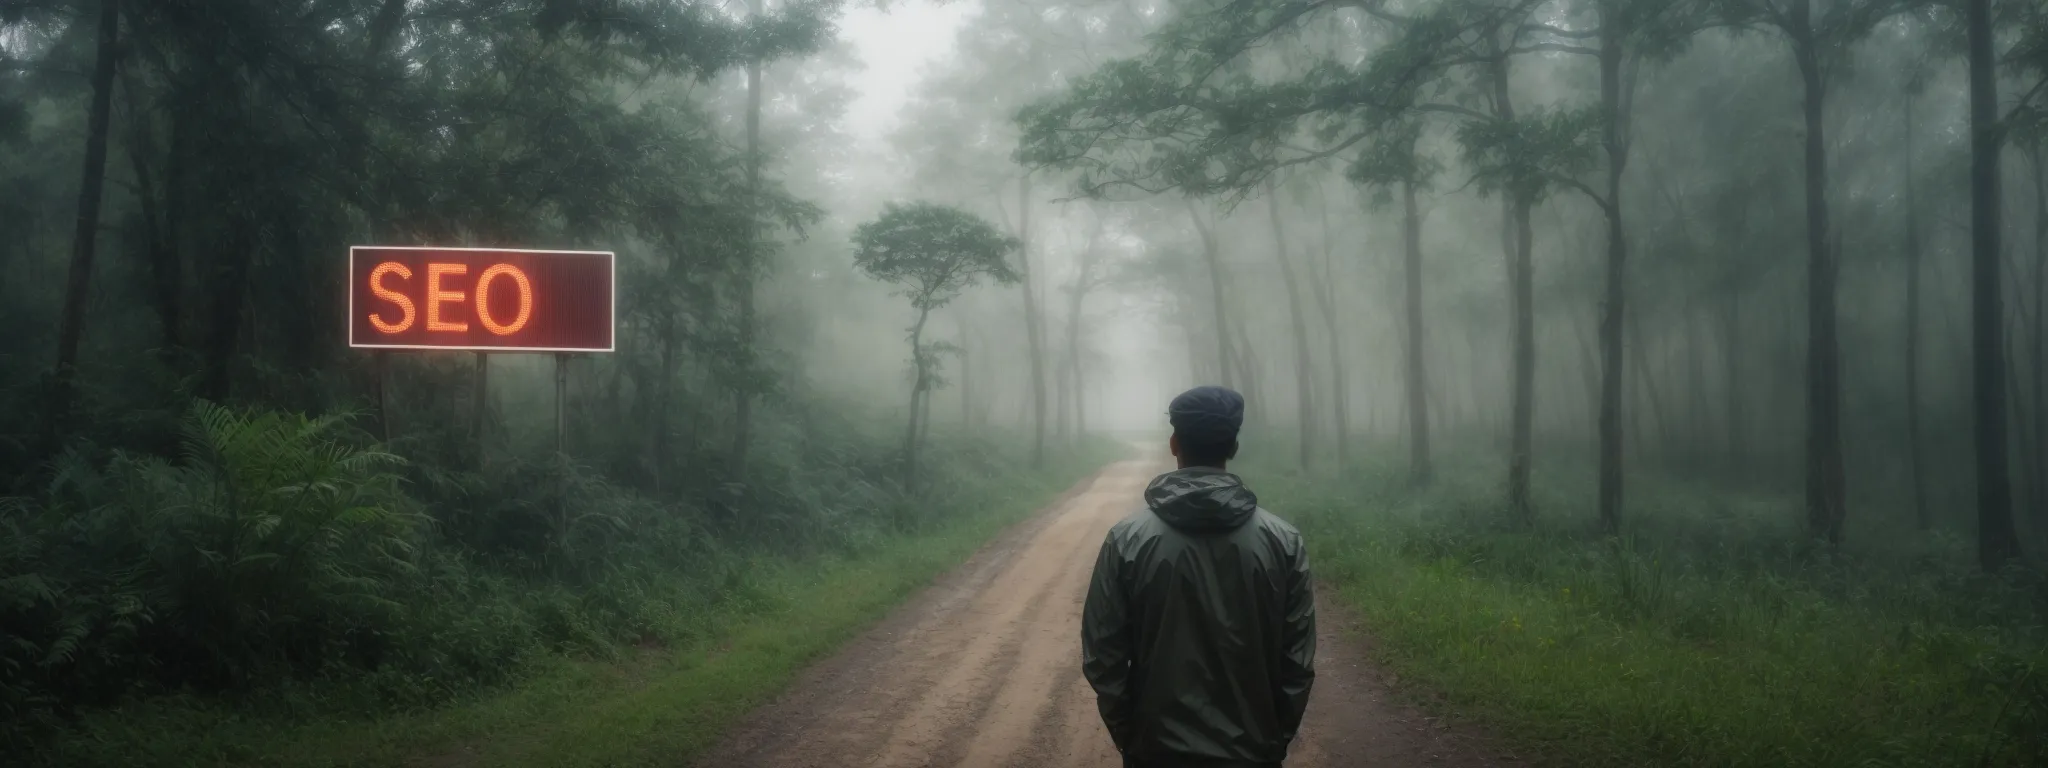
(1708, 636)
(653, 706)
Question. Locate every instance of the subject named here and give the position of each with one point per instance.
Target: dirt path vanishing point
(982, 670)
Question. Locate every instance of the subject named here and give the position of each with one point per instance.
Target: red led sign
(485, 299)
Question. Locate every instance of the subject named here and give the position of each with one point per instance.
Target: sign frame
(349, 306)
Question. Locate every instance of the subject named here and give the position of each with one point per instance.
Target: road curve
(982, 670)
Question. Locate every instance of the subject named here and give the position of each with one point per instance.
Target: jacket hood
(1201, 499)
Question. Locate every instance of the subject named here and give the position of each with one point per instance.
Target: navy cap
(1207, 414)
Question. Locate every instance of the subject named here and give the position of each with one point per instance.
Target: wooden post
(480, 413)
(561, 395)
(382, 370)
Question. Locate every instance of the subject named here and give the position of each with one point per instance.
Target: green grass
(651, 706)
(1709, 636)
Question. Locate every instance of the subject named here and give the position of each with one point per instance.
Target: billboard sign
(484, 299)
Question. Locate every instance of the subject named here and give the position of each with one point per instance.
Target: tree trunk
(924, 417)
(1825, 488)
(158, 224)
(2037, 473)
(1522, 282)
(1304, 402)
(1997, 542)
(91, 181)
(1614, 307)
(743, 413)
(966, 376)
(1326, 300)
(1471, 414)
(1735, 412)
(1080, 398)
(1074, 377)
(1214, 262)
(1248, 372)
(1419, 469)
(1518, 243)
(1032, 329)
(1063, 385)
(917, 389)
(1078, 297)
(1916, 466)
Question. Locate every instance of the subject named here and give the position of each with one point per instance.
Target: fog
(1158, 157)
(1784, 261)
(1190, 204)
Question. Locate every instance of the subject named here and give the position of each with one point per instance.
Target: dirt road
(983, 671)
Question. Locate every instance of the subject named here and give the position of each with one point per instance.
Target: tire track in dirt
(982, 670)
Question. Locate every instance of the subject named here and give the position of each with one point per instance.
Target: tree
(1997, 542)
(934, 252)
(763, 43)
(1917, 466)
(1093, 273)
(1523, 159)
(2025, 122)
(1297, 317)
(1627, 32)
(959, 135)
(1819, 45)
(1205, 112)
(1393, 160)
(92, 179)
(1212, 262)
(1323, 285)
(1034, 325)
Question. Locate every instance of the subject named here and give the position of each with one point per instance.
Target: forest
(1661, 381)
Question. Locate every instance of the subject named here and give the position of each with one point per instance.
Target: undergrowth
(1708, 634)
(288, 569)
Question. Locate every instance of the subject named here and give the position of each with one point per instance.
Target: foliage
(1704, 636)
(1524, 158)
(197, 537)
(1391, 158)
(269, 548)
(933, 250)
(724, 630)
(276, 552)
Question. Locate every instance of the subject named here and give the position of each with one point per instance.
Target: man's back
(1199, 629)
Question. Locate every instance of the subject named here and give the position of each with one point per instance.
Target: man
(1199, 632)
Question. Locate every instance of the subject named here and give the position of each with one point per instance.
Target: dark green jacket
(1199, 630)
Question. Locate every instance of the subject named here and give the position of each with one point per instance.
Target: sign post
(482, 300)
(480, 412)
(561, 396)
(381, 368)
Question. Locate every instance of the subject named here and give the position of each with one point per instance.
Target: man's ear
(1173, 444)
(1233, 450)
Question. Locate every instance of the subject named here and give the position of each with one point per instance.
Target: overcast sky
(897, 47)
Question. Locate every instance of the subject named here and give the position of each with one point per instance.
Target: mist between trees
(1791, 249)
(207, 491)
(1729, 240)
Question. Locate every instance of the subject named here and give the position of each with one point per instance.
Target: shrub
(269, 546)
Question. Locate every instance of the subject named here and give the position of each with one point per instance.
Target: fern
(268, 542)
